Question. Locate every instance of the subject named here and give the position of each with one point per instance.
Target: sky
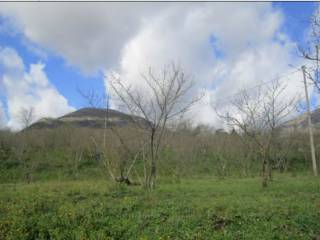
(48, 51)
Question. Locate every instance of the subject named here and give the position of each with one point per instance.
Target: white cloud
(28, 89)
(88, 35)
(253, 49)
(227, 46)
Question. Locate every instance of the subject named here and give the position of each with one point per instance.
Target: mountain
(95, 118)
(88, 118)
(301, 122)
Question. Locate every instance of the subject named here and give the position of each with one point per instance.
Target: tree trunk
(265, 173)
(153, 175)
(145, 170)
(153, 172)
(269, 170)
(281, 165)
(245, 170)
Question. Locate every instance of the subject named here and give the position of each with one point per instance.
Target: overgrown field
(204, 208)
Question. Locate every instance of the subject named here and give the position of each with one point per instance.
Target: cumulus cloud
(226, 46)
(28, 89)
(88, 35)
(226, 52)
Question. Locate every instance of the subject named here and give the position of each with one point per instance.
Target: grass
(204, 208)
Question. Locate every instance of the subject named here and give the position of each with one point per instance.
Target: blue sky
(66, 78)
(69, 67)
(296, 17)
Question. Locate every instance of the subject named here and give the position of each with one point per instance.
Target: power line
(225, 99)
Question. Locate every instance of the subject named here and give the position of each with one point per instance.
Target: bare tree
(163, 100)
(258, 115)
(25, 151)
(117, 147)
(311, 51)
(93, 99)
(26, 117)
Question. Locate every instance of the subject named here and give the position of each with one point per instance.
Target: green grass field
(192, 209)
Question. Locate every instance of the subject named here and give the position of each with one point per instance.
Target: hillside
(88, 118)
(300, 122)
(95, 118)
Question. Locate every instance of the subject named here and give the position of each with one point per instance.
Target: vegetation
(208, 188)
(99, 183)
(165, 100)
(68, 154)
(202, 208)
(258, 116)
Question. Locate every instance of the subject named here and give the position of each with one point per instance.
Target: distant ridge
(300, 122)
(95, 118)
(87, 118)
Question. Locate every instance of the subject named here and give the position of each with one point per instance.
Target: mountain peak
(87, 118)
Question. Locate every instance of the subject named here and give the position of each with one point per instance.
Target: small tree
(164, 100)
(26, 117)
(258, 115)
(118, 147)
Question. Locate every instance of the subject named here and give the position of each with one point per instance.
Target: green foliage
(68, 154)
(199, 193)
(194, 209)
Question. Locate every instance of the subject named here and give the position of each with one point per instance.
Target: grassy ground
(192, 209)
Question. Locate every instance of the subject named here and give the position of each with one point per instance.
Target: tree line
(159, 142)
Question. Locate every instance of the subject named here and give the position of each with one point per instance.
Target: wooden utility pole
(317, 62)
(313, 155)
